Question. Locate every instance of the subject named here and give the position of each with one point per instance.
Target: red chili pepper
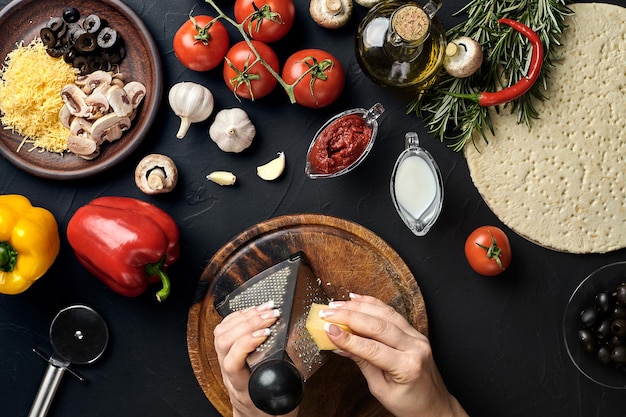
(126, 243)
(514, 91)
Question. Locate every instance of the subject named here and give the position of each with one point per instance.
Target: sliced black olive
(81, 63)
(69, 55)
(86, 42)
(56, 51)
(73, 31)
(92, 23)
(96, 63)
(107, 38)
(48, 37)
(57, 25)
(71, 15)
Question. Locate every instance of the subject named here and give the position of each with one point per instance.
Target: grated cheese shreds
(30, 96)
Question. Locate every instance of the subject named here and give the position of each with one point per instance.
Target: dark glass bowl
(606, 278)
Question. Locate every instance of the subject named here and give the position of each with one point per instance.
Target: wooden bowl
(21, 21)
(345, 257)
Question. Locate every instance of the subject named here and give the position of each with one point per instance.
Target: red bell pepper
(126, 243)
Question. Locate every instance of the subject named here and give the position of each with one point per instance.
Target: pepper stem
(470, 96)
(8, 257)
(158, 269)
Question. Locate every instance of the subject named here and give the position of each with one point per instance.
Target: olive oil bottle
(401, 44)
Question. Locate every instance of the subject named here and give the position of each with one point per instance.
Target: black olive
(604, 301)
(619, 312)
(275, 387)
(620, 293)
(74, 30)
(96, 63)
(587, 340)
(589, 317)
(618, 327)
(56, 51)
(92, 23)
(81, 63)
(618, 354)
(48, 37)
(604, 354)
(86, 42)
(57, 25)
(604, 329)
(107, 38)
(71, 15)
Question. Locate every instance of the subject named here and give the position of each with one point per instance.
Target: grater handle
(276, 386)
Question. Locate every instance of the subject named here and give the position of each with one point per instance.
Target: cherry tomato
(245, 75)
(324, 82)
(488, 250)
(201, 43)
(265, 20)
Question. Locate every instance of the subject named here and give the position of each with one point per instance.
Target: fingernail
(336, 304)
(353, 295)
(261, 333)
(271, 314)
(331, 329)
(326, 313)
(266, 306)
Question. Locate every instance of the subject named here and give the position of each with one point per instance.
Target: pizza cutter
(79, 336)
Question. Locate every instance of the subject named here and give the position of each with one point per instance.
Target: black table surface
(497, 341)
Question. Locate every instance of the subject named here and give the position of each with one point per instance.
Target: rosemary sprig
(506, 56)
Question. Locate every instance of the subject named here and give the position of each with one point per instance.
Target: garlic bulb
(232, 130)
(191, 102)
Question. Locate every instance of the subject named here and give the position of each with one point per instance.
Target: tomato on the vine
(322, 79)
(245, 74)
(488, 250)
(265, 20)
(201, 43)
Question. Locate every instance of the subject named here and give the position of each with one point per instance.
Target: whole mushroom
(330, 14)
(156, 174)
(463, 57)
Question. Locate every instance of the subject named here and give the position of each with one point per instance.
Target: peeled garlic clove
(222, 177)
(273, 169)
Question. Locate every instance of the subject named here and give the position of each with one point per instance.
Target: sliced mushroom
(80, 127)
(96, 79)
(83, 146)
(119, 101)
(331, 14)
(65, 116)
(136, 91)
(109, 128)
(156, 174)
(99, 104)
(74, 99)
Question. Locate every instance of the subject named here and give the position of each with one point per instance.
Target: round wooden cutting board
(346, 257)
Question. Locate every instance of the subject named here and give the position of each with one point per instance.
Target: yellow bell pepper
(29, 243)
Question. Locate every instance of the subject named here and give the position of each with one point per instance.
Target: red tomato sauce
(340, 144)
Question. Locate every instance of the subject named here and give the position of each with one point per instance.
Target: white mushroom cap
(156, 174)
(331, 14)
(463, 57)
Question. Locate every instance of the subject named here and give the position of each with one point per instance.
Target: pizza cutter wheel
(79, 336)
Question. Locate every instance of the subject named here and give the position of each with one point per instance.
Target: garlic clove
(222, 177)
(273, 169)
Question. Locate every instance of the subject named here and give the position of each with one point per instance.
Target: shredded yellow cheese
(30, 96)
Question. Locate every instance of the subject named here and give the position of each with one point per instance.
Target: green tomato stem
(289, 88)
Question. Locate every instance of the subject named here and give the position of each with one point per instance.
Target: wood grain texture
(346, 257)
(21, 21)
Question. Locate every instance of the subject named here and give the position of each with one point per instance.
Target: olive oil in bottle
(401, 44)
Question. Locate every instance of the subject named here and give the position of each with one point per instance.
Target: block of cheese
(315, 325)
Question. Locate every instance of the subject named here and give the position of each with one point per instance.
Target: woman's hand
(239, 334)
(394, 357)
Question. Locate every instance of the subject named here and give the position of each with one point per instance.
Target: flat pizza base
(562, 183)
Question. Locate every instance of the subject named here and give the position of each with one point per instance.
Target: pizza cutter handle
(47, 389)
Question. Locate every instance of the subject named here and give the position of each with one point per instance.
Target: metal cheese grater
(292, 286)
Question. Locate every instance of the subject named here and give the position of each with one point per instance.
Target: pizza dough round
(562, 183)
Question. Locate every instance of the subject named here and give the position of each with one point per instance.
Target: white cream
(415, 186)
